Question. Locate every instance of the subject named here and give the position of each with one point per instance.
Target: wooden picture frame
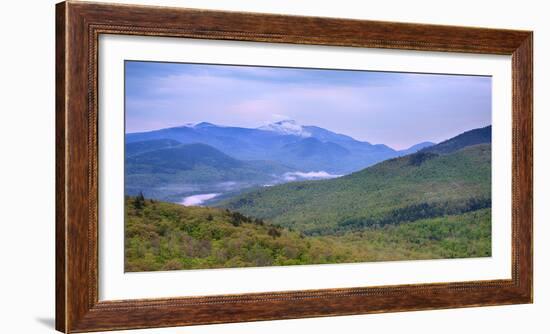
(78, 26)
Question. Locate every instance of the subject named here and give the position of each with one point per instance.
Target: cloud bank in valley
(320, 175)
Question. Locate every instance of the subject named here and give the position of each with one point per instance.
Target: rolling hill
(468, 138)
(417, 186)
(166, 236)
(173, 172)
(180, 158)
(139, 147)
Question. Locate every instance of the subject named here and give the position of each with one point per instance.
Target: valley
(174, 163)
(203, 196)
(387, 193)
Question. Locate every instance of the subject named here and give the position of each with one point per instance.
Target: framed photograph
(223, 167)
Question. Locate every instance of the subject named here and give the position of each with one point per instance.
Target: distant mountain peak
(198, 125)
(187, 125)
(204, 125)
(287, 127)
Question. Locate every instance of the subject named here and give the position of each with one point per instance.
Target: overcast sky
(396, 109)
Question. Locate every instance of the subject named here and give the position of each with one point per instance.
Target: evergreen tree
(139, 201)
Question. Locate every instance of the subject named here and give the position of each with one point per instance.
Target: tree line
(416, 212)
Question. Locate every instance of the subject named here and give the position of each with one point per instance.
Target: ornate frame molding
(78, 27)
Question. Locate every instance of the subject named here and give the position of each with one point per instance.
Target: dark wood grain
(522, 166)
(78, 27)
(60, 180)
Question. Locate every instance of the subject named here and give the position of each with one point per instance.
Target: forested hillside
(165, 170)
(422, 185)
(468, 138)
(165, 236)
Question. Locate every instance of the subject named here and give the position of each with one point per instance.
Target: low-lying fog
(216, 190)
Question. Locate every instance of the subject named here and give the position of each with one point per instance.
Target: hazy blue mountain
(291, 127)
(149, 145)
(468, 138)
(311, 154)
(179, 158)
(304, 148)
(321, 149)
(311, 147)
(240, 143)
(326, 135)
(171, 173)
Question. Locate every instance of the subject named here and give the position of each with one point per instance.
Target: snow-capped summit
(287, 127)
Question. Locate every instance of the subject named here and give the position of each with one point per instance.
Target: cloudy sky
(396, 109)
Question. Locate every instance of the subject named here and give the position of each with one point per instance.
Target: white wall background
(27, 70)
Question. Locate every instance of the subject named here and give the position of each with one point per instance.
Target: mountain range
(222, 162)
(302, 148)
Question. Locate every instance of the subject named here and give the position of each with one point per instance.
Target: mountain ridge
(458, 179)
(175, 172)
(471, 137)
(271, 142)
(416, 147)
